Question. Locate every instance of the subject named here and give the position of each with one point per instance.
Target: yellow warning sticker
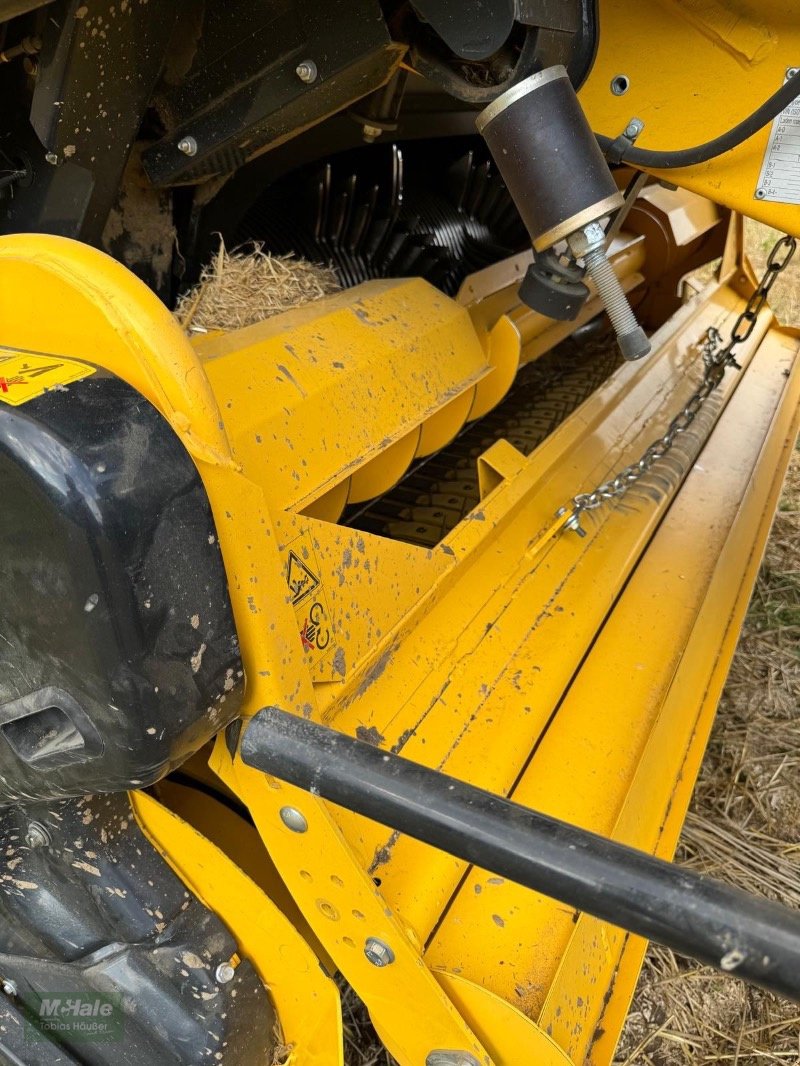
(24, 377)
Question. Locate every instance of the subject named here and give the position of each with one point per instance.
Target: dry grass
(246, 286)
(785, 297)
(744, 828)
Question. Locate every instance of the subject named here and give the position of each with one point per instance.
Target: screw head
(378, 952)
(634, 127)
(306, 71)
(9, 987)
(37, 836)
(187, 145)
(791, 71)
(293, 819)
(52, 159)
(224, 973)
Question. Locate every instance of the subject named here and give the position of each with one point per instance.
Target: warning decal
(307, 596)
(24, 377)
(302, 581)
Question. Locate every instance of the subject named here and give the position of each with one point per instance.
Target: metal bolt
(37, 836)
(9, 987)
(573, 522)
(589, 244)
(52, 159)
(371, 133)
(306, 71)
(451, 1058)
(378, 952)
(634, 128)
(224, 973)
(791, 71)
(293, 819)
(187, 145)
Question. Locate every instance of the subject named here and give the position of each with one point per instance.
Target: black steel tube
(751, 938)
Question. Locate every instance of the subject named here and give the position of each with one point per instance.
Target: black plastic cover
(118, 651)
(108, 959)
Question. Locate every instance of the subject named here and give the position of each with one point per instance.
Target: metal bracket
(615, 153)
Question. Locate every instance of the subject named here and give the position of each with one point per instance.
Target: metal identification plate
(779, 179)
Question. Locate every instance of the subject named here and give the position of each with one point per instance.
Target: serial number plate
(779, 179)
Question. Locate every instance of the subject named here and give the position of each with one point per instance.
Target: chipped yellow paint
(24, 375)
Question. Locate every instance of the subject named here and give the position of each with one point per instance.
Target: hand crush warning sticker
(307, 593)
(24, 377)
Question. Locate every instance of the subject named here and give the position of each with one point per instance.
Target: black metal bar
(753, 939)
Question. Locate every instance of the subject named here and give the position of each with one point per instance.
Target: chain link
(716, 358)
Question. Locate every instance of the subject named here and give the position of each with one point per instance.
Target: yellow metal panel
(59, 297)
(344, 907)
(696, 69)
(306, 1001)
(492, 660)
(686, 596)
(340, 388)
(749, 453)
(510, 1037)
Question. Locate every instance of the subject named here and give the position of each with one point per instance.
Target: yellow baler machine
(443, 736)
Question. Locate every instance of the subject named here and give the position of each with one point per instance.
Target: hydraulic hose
(701, 153)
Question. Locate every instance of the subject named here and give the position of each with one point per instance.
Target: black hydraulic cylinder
(751, 938)
(548, 156)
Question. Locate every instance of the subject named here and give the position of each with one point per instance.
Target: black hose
(701, 153)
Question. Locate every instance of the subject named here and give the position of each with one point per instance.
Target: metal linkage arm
(753, 939)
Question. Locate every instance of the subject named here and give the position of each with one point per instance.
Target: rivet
(9, 987)
(293, 819)
(187, 145)
(306, 71)
(224, 973)
(378, 952)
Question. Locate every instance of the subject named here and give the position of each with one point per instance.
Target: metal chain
(716, 359)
